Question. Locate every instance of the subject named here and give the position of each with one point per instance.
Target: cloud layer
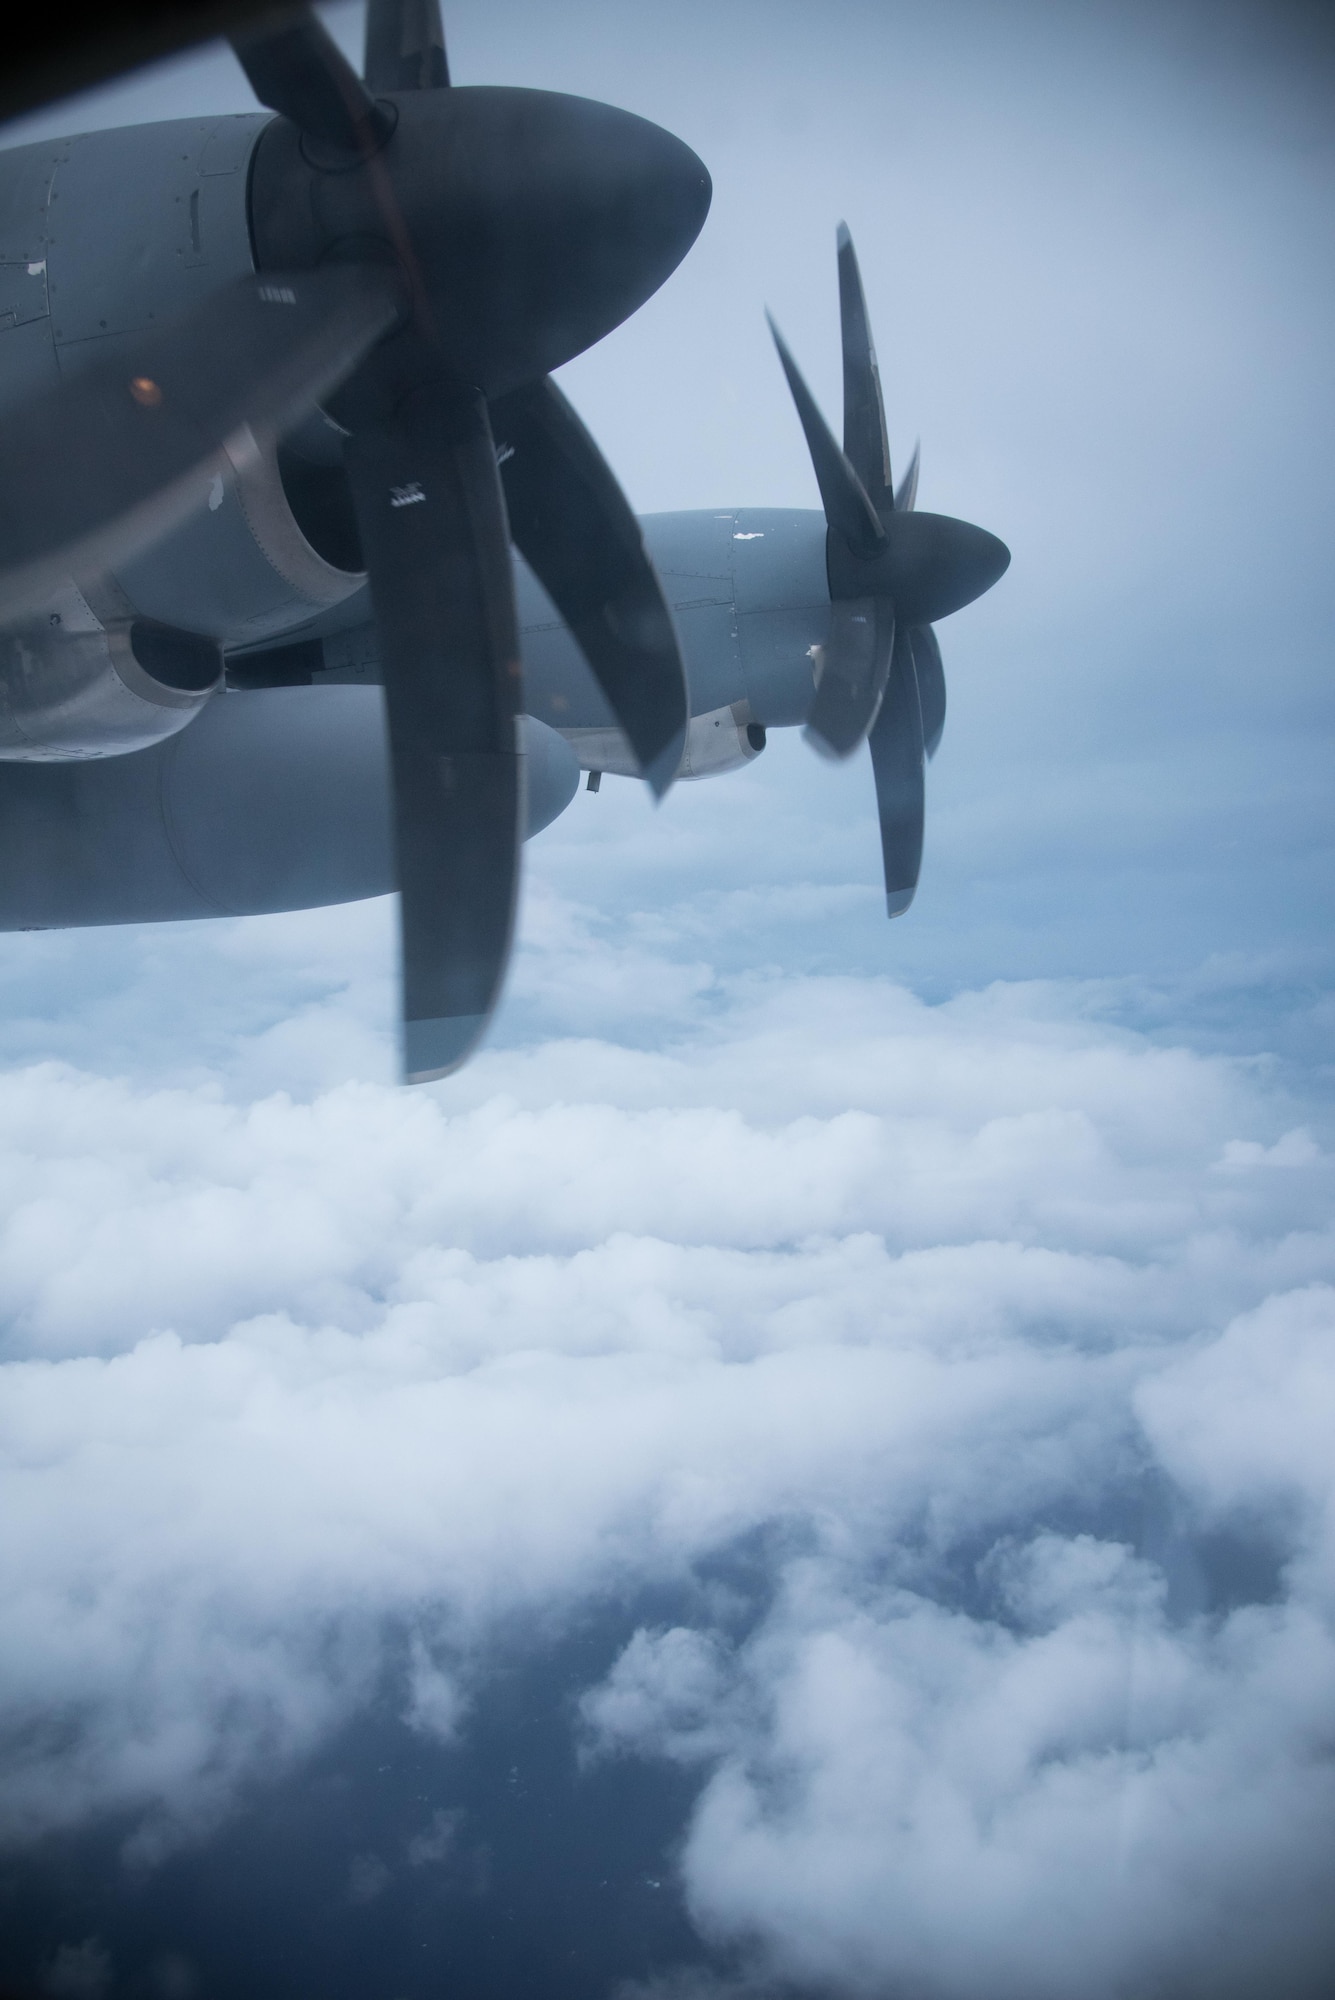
(1010, 1333)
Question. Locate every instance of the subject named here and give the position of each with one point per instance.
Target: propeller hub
(931, 565)
(528, 224)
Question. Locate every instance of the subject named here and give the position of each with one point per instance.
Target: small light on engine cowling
(146, 391)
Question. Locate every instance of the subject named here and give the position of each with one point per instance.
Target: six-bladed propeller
(425, 256)
(521, 226)
(891, 573)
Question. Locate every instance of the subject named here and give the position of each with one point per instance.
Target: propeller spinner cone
(527, 224)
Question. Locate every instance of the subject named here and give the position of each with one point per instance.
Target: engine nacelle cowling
(73, 687)
(109, 234)
(275, 546)
(720, 740)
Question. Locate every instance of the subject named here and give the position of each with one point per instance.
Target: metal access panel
(693, 555)
(783, 609)
(143, 223)
(22, 292)
(27, 356)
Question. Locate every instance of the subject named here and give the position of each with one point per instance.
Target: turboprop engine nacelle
(274, 544)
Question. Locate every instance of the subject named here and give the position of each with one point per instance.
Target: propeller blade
(843, 496)
(866, 446)
(437, 546)
(150, 431)
(574, 527)
(897, 762)
(906, 493)
(405, 46)
(931, 686)
(295, 68)
(856, 663)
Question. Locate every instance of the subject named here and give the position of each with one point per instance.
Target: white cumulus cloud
(1011, 1330)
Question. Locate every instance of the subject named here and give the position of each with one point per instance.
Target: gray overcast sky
(869, 1386)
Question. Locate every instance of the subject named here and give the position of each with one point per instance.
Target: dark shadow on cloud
(390, 1863)
(507, 1861)
(503, 1862)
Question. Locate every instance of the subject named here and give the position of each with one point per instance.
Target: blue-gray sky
(869, 1385)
